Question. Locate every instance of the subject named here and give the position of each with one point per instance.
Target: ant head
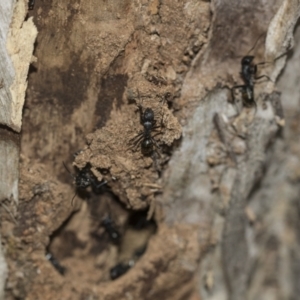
(247, 60)
(82, 180)
(106, 221)
(148, 117)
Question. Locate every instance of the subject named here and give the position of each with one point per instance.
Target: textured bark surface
(222, 193)
(17, 38)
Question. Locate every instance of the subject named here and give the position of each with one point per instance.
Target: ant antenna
(283, 54)
(67, 169)
(73, 177)
(73, 197)
(101, 184)
(253, 47)
(267, 62)
(256, 42)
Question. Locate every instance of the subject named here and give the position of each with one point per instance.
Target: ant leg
(137, 136)
(158, 154)
(73, 198)
(137, 142)
(271, 62)
(235, 88)
(155, 127)
(276, 58)
(141, 113)
(67, 169)
(154, 141)
(101, 184)
(157, 133)
(263, 63)
(97, 186)
(263, 76)
(238, 87)
(283, 54)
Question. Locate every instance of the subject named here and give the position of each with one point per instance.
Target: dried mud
(132, 176)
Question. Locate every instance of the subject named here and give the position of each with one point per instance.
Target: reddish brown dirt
(132, 176)
(164, 270)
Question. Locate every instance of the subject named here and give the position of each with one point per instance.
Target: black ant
(144, 138)
(84, 179)
(31, 4)
(110, 228)
(60, 269)
(248, 74)
(120, 269)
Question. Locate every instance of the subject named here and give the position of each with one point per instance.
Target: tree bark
(222, 187)
(16, 47)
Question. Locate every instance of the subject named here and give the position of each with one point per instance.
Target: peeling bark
(17, 38)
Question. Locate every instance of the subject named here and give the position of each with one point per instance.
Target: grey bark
(16, 46)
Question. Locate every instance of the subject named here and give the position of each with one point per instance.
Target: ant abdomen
(147, 146)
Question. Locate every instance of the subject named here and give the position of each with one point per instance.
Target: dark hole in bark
(103, 238)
